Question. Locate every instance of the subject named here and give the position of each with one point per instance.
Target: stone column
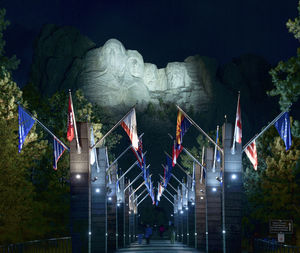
(191, 214)
(214, 205)
(200, 212)
(180, 216)
(120, 213)
(176, 216)
(111, 209)
(233, 191)
(185, 210)
(126, 217)
(99, 203)
(79, 190)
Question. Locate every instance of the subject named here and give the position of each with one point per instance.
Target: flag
(168, 168)
(139, 154)
(58, 150)
(283, 127)
(93, 154)
(25, 124)
(70, 132)
(182, 126)
(238, 123)
(252, 153)
(130, 127)
(216, 153)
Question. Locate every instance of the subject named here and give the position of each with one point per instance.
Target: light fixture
(109, 198)
(201, 198)
(171, 215)
(219, 179)
(223, 231)
(214, 189)
(78, 176)
(90, 233)
(193, 203)
(181, 212)
(186, 208)
(118, 204)
(94, 179)
(233, 176)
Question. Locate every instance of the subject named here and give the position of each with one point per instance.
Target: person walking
(148, 233)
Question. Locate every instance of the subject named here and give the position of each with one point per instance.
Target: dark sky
(163, 30)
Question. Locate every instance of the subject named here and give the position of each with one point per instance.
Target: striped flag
(58, 150)
(71, 131)
(252, 154)
(130, 127)
(238, 123)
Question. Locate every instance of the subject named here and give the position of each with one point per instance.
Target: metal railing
(270, 246)
(57, 245)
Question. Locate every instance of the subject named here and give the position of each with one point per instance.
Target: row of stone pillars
(208, 217)
(103, 215)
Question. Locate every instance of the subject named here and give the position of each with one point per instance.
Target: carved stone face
(176, 75)
(113, 57)
(135, 63)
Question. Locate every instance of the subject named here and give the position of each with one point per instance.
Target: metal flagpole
(180, 167)
(75, 125)
(136, 189)
(169, 192)
(136, 178)
(178, 181)
(167, 199)
(199, 128)
(140, 195)
(135, 163)
(265, 129)
(215, 155)
(169, 184)
(113, 128)
(143, 199)
(188, 153)
(66, 147)
(122, 154)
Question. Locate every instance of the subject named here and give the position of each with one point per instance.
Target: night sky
(162, 31)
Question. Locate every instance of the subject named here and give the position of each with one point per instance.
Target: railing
(57, 245)
(270, 246)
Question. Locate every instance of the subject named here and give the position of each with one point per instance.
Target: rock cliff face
(114, 77)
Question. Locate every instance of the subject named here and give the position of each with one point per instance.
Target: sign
(280, 237)
(281, 226)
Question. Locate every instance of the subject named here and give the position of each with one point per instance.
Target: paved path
(158, 246)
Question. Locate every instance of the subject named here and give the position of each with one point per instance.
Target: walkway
(158, 246)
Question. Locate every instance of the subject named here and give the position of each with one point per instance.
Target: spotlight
(181, 212)
(201, 198)
(97, 190)
(214, 189)
(193, 203)
(109, 198)
(171, 215)
(186, 208)
(118, 204)
(78, 176)
(94, 179)
(223, 231)
(233, 176)
(90, 233)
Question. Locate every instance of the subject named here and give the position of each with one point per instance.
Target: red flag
(238, 124)
(130, 127)
(252, 154)
(70, 132)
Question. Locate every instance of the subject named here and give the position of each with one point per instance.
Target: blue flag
(283, 127)
(25, 124)
(58, 149)
(168, 170)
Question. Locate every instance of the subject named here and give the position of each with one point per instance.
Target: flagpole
(169, 184)
(188, 153)
(66, 147)
(215, 155)
(202, 160)
(199, 128)
(178, 165)
(167, 199)
(265, 129)
(75, 125)
(113, 128)
(235, 126)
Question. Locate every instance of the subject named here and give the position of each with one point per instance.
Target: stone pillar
(214, 205)
(98, 203)
(111, 209)
(185, 210)
(191, 213)
(200, 212)
(120, 214)
(176, 216)
(131, 217)
(180, 216)
(126, 217)
(79, 187)
(233, 191)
